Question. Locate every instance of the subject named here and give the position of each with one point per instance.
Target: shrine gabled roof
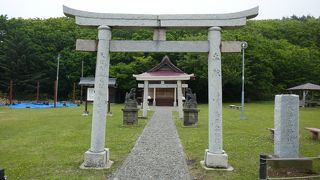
(165, 70)
(166, 65)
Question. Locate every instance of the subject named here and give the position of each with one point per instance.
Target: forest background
(281, 54)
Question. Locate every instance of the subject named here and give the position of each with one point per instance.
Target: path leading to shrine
(157, 154)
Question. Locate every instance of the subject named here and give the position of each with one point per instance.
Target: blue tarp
(41, 105)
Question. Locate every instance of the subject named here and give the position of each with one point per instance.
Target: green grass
(243, 140)
(50, 143)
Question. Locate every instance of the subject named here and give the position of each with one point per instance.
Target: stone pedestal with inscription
(286, 125)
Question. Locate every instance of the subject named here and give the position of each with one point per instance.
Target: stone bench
(272, 132)
(234, 107)
(314, 132)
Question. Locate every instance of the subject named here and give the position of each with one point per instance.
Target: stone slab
(286, 125)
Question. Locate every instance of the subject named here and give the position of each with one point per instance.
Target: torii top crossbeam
(229, 20)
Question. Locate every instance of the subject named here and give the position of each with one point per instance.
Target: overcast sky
(269, 9)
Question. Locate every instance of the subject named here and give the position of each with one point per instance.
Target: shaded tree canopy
(281, 54)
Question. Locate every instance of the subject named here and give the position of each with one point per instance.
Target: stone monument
(130, 111)
(286, 124)
(190, 110)
(286, 139)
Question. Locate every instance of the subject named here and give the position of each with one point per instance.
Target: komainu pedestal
(130, 116)
(130, 111)
(190, 110)
(190, 117)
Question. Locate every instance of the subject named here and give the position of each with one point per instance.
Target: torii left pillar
(97, 157)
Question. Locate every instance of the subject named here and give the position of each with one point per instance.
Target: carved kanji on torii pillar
(98, 156)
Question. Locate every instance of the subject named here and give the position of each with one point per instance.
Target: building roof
(89, 81)
(165, 64)
(307, 86)
(165, 70)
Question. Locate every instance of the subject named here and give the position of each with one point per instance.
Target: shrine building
(163, 84)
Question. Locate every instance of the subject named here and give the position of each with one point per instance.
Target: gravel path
(157, 154)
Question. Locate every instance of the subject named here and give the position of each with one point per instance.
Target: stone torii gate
(98, 156)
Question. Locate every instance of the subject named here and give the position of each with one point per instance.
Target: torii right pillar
(215, 156)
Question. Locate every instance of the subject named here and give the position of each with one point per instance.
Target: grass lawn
(50, 143)
(243, 140)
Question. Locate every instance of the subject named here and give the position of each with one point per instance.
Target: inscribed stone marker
(286, 124)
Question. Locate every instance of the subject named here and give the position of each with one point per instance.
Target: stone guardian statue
(130, 111)
(190, 110)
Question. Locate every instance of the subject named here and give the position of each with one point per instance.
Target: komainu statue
(130, 110)
(191, 99)
(190, 110)
(130, 100)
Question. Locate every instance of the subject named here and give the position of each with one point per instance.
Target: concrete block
(215, 160)
(94, 160)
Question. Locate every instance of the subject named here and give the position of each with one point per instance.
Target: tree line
(280, 54)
